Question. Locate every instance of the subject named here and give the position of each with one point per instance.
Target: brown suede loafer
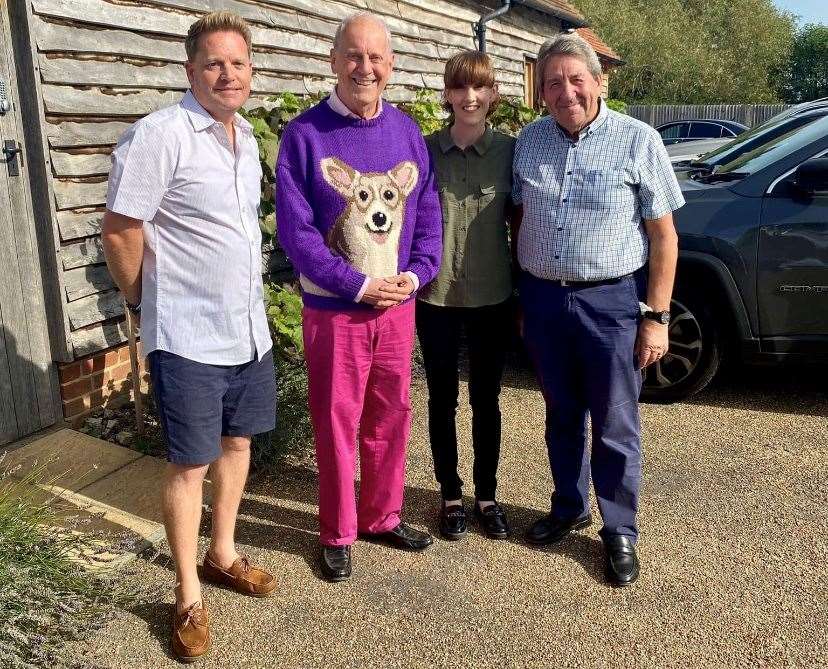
(190, 633)
(241, 577)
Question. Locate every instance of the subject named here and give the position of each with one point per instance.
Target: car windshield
(777, 148)
(735, 148)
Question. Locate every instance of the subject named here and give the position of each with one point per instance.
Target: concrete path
(733, 549)
(101, 487)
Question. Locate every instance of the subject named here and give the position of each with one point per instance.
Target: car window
(727, 132)
(699, 130)
(674, 131)
(777, 148)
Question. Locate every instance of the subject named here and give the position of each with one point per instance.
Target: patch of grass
(47, 597)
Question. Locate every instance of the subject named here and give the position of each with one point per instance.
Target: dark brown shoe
(190, 633)
(240, 576)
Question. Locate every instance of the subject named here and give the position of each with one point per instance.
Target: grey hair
(565, 44)
(348, 20)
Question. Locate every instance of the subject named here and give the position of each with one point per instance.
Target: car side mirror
(812, 175)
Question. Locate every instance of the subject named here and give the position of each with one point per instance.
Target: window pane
(705, 130)
(675, 131)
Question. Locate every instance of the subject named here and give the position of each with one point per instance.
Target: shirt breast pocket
(604, 189)
(449, 202)
(491, 200)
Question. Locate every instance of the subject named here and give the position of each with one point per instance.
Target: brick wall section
(98, 380)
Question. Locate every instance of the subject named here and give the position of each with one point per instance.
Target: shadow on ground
(789, 388)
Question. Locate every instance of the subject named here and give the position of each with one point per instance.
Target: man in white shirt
(182, 241)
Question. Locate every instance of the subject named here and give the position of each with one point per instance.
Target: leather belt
(585, 284)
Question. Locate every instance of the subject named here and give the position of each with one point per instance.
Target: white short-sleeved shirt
(202, 295)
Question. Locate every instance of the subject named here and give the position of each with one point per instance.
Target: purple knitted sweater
(355, 198)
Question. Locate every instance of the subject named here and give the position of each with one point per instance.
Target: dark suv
(753, 263)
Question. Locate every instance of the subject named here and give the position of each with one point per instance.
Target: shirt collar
(201, 118)
(587, 130)
(335, 103)
(482, 144)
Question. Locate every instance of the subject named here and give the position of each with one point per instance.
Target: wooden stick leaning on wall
(136, 376)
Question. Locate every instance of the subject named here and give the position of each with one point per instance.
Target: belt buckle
(564, 283)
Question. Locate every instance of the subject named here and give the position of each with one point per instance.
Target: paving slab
(96, 487)
(72, 459)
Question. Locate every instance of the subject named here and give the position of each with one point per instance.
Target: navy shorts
(200, 403)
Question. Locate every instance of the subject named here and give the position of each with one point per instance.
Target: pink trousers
(359, 376)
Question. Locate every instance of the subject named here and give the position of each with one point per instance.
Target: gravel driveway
(733, 550)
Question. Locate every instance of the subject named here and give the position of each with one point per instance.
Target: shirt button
(557, 257)
(564, 200)
(560, 227)
(570, 172)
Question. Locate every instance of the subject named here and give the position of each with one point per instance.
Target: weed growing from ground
(47, 596)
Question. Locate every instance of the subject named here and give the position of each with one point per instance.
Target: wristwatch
(662, 317)
(134, 309)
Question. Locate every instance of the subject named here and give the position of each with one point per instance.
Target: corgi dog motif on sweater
(367, 233)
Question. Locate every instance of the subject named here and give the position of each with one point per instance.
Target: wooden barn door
(26, 369)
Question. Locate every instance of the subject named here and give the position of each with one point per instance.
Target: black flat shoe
(336, 562)
(549, 530)
(493, 521)
(622, 561)
(452, 522)
(405, 537)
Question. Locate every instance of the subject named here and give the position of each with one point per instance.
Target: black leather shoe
(493, 521)
(452, 522)
(336, 562)
(622, 562)
(549, 530)
(405, 537)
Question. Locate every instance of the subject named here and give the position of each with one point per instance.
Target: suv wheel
(694, 355)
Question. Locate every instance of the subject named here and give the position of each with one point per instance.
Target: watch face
(664, 317)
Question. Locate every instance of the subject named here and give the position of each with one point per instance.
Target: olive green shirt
(475, 186)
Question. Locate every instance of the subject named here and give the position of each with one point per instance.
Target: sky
(809, 11)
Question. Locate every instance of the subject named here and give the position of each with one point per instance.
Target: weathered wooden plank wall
(750, 115)
(104, 64)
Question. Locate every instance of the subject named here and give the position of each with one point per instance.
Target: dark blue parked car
(684, 131)
(753, 266)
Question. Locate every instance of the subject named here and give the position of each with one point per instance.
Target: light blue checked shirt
(584, 201)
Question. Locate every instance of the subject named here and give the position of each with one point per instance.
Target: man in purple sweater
(359, 217)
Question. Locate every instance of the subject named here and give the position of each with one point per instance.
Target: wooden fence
(750, 115)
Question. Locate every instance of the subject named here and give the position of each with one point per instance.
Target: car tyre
(694, 355)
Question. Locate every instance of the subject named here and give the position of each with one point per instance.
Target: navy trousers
(581, 340)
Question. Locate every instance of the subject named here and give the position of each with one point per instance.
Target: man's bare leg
(181, 501)
(228, 475)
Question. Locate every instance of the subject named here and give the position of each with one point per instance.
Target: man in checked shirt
(598, 251)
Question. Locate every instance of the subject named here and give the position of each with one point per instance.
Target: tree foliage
(806, 77)
(694, 51)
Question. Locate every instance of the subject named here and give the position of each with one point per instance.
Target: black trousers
(487, 330)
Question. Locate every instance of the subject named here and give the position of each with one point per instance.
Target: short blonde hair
(216, 22)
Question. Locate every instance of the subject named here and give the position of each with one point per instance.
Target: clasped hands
(388, 291)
